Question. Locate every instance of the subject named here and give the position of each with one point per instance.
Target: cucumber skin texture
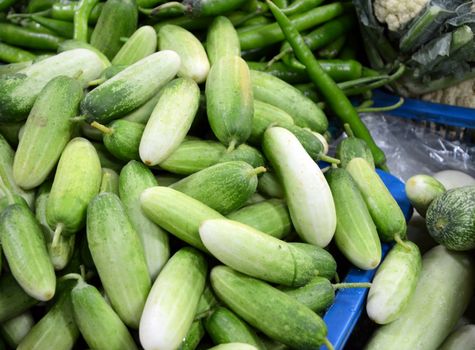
(356, 235)
(142, 114)
(118, 256)
(353, 147)
(269, 310)
(142, 43)
(99, 324)
(76, 44)
(177, 213)
(172, 302)
(77, 180)
(117, 19)
(386, 213)
(394, 283)
(229, 100)
(109, 181)
(317, 295)
(124, 140)
(19, 91)
(130, 88)
(422, 190)
(269, 186)
(223, 187)
(25, 250)
(450, 219)
(222, 39)
(444, 289)
(461, 339)
(274, 91)
(134, 178)
(13, 299)
(323, 260)
(266, 114)
(47, 131)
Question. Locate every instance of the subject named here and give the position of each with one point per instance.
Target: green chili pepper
(81, 19)
(62, 28)
(13, 54)
(66, 11)
(15, 35)
(39, 5)
(333, 49)
(300, 6)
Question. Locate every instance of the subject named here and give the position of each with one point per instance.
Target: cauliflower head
(396, 13)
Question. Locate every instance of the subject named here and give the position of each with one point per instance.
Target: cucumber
(270, 186)
(77, 44)
(386, 213)
(234, 346)
(322, 259)
(109, 181)
(178, 213)
(264, 115)
(166, 179)
(106, 158)
(112, 238)
(317, 295)
(77, 180)
(450, 218)
(222, 39)
(257, 254)
(223, 187)
(461, 339)
(13, 299)
(47, 131)
(143, 113)
(444, 289)
(15, 329)
(394, 283)
(172, 302)
(170, 120)
(270, 216)
(268, 309)
(118, 19)
(308, 140)
(245, 153)
(356, 235)
(133, 180)
(274, 91)
(10, 131)
(422, 190)
(18, 92)
(23, 245)
(229, 100)
(353, 147)
(130, 88)
(99, 324)
(193, 337)
(308, 195)
(122, 138)
(142, 43)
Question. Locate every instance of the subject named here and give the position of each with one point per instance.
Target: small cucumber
(311, 143)
(308, 195)
(172, 302)
(194, 62)
(386, 213)
(422, 190)
(270, 186)
(112, 238)
(179, 214)
(317, 295)
(353, 147)
(143, 113)
(134, 178)
(461, 339)
(109, 181)
(170, 120)
(193, 337)
(229, 100)
(245, 153)
(222, 39)
(140, 45)
(15, 329)
(322, 259)
(47, 131)
(13, 299)
(264, 115)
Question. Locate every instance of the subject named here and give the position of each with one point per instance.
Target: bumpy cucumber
(422, 190)
(317, 295)
(109, 181)
(122, 138)
(270, 186)
(172, 302)
(15, 329)
(245, 153)
(222, 39)
(134, 179)
(13, 299)
(47, 131)
(322, 259)
(265, 115)
(140, 44)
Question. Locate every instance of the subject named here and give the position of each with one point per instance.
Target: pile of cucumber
(159, 186)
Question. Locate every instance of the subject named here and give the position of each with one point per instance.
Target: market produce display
(166, 181)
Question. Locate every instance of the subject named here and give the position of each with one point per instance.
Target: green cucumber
(270, 186)
(15, 329)
(461, 339)
(245, 153)
(18, 92)
(109, 181)
(194, 62)
(264, 115)
(234, 346)
(142, 43)
(394, 283)
(47, 131)
(222, 39)
(118, 19)
(386, 213)
(317, 295)
(130, 88)
(310, 142)
(268, 309)
(178, 213)
(134, 178)
(353, 147)
(274, 91)
(229, 100)
(76, 182)
(172, 302)
(356, 235)
(107, 160)
(422, 190)
(270, 216)
(170, 121)
(322, 259)
(13, 299)
(193, 337)
(450, 218)
(112, 238)
(308, 195)
(143, 113)
(444, 289)
(223, 187)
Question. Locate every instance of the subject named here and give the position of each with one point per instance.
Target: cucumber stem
(156, 10)
(96, 82)
(232, 146)
(79, 118)
(351, 285)
(278, 57)
(399, 241)
(82, 269)
(258, 170)
(57, 235)
(327, 343)
(348, 130)
(124, 39)
(328, 159)
(72, 276)
(102, 128)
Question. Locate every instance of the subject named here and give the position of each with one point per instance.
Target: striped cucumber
(222, 40)
(15, 329)
(133, 180)
(18, 92)
(109, 181)
(229, 100)
(47, 131)
(322, 259)
(353, 147)
(170, 120)
(143, 113)
(130, 88)
(142, 43)
(264, 115)
(461, 339)
(317, 295)
(13, 299)
(171, 304)
(422, 190)
(308, 195)
(194, 62)
(268, 309)
(245, 153)
(179, 214)
(356, 235)
(270, 186)
(112, 238)
(386, 213)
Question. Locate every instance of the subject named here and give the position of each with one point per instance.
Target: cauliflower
(462, 94)
(396, 13)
